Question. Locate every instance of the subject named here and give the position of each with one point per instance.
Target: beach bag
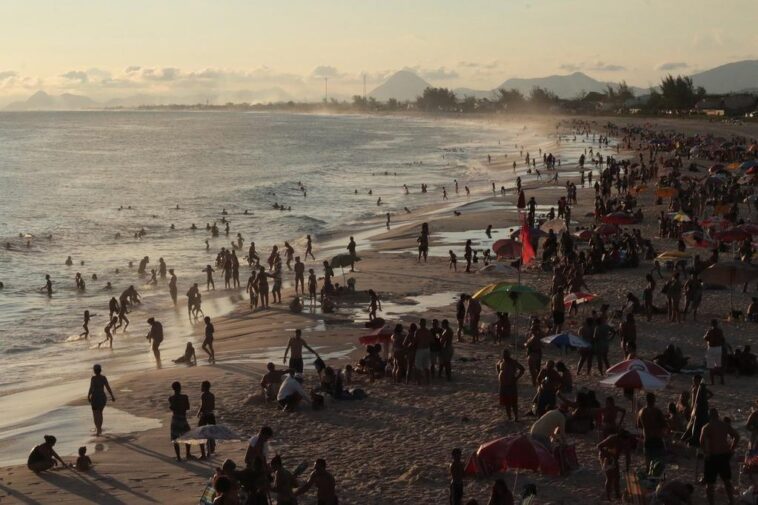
(209, 494)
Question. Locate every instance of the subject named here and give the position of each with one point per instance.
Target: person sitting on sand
(271, 381)
(43, 457)
(83, 462)
(291, 392)
(188, 357)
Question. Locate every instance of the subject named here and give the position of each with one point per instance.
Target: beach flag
(527, 250)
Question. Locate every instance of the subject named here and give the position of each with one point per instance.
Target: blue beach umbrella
(566, 339)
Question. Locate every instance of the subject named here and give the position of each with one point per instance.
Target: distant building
(731, 105)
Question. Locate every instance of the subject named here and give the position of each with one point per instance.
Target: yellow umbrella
(489, 288)
(681, 217)
(733, 166)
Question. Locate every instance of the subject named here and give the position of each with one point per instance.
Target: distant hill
(729, 78)
(403, 86)
(565, 86)
(42, 101)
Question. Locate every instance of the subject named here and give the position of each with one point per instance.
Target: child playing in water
(87, 317)
(453, 261)
(108, 334)
(83, 462)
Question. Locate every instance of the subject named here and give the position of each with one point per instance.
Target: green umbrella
(513, 299)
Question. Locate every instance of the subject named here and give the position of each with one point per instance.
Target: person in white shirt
(291, 392)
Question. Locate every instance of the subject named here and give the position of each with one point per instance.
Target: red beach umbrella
(715, 222)
(507, 248)
(514, 452)
(579, 297)
(606, 229)
(635, 379)
(378, 336)
(732, 235)
(749, 228)
(619, 218)
(583, 235)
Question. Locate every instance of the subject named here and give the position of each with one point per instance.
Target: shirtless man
(718, 440)
(299, 276)
(653, 424)
(351, 249)
(155, 337)
(296, 344)
(284, 483)
(324, 482)
(423, 341)
(48, 285)
(509, 371)
(309, 248)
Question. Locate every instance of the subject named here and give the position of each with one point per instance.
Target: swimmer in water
(85, 325)
(69, 261)
(108, 286)
(48, 285)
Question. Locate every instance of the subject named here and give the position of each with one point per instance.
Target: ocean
(81, 184)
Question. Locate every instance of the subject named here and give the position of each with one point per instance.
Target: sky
(238, 50)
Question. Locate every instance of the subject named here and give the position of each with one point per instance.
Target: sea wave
(18, 349)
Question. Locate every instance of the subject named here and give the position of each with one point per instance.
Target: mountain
(729, 78)
(403, 86)
(565, 86)
(42, 101)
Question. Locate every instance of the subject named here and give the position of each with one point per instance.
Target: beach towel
(713, 357)
(209, 494)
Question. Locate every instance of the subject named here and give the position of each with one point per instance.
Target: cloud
(606, 67)
(8, 74)
(163, 74)
(132, 69)
(439, 74)
(598, 66)
(570, 67)
(325, 71)
(76, 75)
(479, 65)
(673, 65)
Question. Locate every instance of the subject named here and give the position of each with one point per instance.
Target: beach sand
(394, 446)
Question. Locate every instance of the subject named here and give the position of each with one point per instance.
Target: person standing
(98, 384)
(299, 276)
(179, 404)
(456, 478)
(474, 311)
(653, 424)
(208, 340)
(206, 414)
(718, 441)
(324, 482)
(172, 285)
(423, 359)
(155, 337)
(446, 349)
(351, 249)
(509, 371)
(296, 345)
(714, 354)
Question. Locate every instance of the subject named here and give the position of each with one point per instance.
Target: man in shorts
(423, 361)
(296, 345)
(718, 440)
(509, 372)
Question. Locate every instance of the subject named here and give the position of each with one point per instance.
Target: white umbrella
(201, 434)
(635, 379)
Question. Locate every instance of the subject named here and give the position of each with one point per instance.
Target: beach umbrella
(514, 452)
(639, 364)
(606, 229)
(750, 228)
(507, 248)
(697, 239)
(583, 234)
(747, 179)
(673, 255)
(718, 167)
(749, 164)
(566, 339)
(635, 379)
(513, 299)
(201, 434)
(734, 234)
(733, 166)
(378, 336)
(579, 297)
(343, 260)
(752, 170)
(556, 225)
(498, 268)
(730, 274)
(619, 218)
(681, 217)
(715, 222)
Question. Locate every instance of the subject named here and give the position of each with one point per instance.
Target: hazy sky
(220, 47)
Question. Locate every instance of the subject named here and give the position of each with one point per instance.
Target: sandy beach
(394, 446)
